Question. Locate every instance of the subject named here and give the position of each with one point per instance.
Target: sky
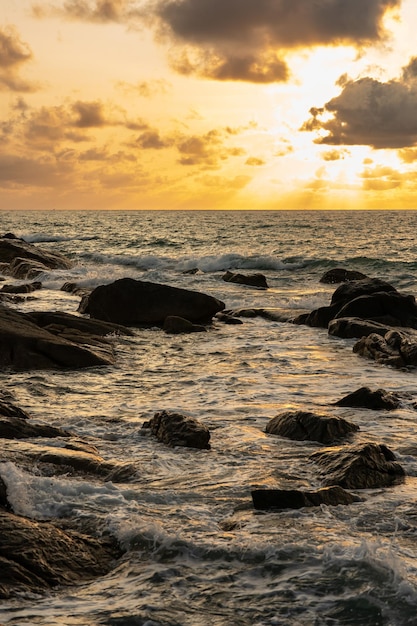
(208, 104)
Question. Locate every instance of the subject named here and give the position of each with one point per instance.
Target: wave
(45, 238)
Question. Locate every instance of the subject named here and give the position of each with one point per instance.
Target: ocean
(196, 551)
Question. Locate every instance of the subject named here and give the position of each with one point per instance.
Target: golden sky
(208, 104)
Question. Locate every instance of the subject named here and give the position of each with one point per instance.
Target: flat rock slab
(306, 426)
(252, 280)
(175, 429)
(264, 499)
(365, 466)
(38, 556)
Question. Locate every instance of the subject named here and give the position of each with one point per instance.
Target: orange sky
(212, 104)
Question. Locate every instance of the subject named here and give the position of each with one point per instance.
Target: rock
(293, 499)
(354, 289)
(366, 466)
(26, 288)
(319, 318)
(175, 429)
(135, 302)
(26, 346)
(176, 325)
(396, 349)
(28, 261)
(18, 428)
(37, 556)
(4, 502)
(350, 327)
(386, 308)
(75, 289)
(9, 409)
(306, 426)
(367, 399)
(253, 280)
(192, 271)
(340, 275)
(228, 319)
(55, 321)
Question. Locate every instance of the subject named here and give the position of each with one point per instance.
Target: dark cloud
(254, 161)
(89, 114)
(334, 155)
(369, 112)
(247, 40)
(13, 54)
(151, 139)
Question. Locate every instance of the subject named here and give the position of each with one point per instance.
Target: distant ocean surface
(184, 564)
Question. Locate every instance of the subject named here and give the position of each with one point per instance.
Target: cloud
(334, 155)
(147, 88)
(370, 112)
(87, 10)
(381, 178)
(254, 161)
(13, 54)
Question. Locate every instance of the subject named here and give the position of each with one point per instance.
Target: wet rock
(253, 280)
(226, 318)
(135, 302)
(367, 399)
(265, 499)
(26, 288)
(12, 248)
(55, 321)
(75, 289)
(26, 346)
(366, 466)
(37, 556)
(175, 325)
(351, 327)
(9, 409)
(175, 429)
(396, 349)
(18, 428)
(351, 290)
(4, 503)
(341, 275)
(306, 426)
(386, 308)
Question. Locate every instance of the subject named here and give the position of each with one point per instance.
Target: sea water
(196, 552)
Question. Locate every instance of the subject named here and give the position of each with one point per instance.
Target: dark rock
(55, 321)
(9, 409)
(4, 502)
(367, 399)
(175, 429)
(341, 275)
(366, 466)
(26, 288)
(387, 308)
(396, 349)
(26, 346)
(192, 271)
(350, 327)
(12, 248)
(350, 290)
(228, 319)
(37, 556)
(18, 428)
(293, 499)
(75, 289)
(306, 426)
(319, 318)
(135, 302)
(26, 268)
(177, 325)
(253, 280)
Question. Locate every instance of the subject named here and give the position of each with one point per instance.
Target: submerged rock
(175, 429)
(18, 428)
(364, 466)
(177, 325)
(38, 556)
(253, 280)
(294, 499)
(26, 288)
(368, 399)
(341, 275)
(135, 302)
(306, 426)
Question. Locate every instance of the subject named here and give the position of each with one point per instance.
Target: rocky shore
(38, 555)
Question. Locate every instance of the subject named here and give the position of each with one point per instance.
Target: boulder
(135, 302)
(386, 308)
(253, 280)
(175, 325)
(396, 349)
(26, 346)
(175, 429)
(354, 289)
(56, 321)
(26, 288)
(294, 499)
(75, 289)
(367, 399)
(227, 318)
(365, 466)
(38, 556)
(351, 327)
(341, 275)
(12, 248)
(306, 426)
